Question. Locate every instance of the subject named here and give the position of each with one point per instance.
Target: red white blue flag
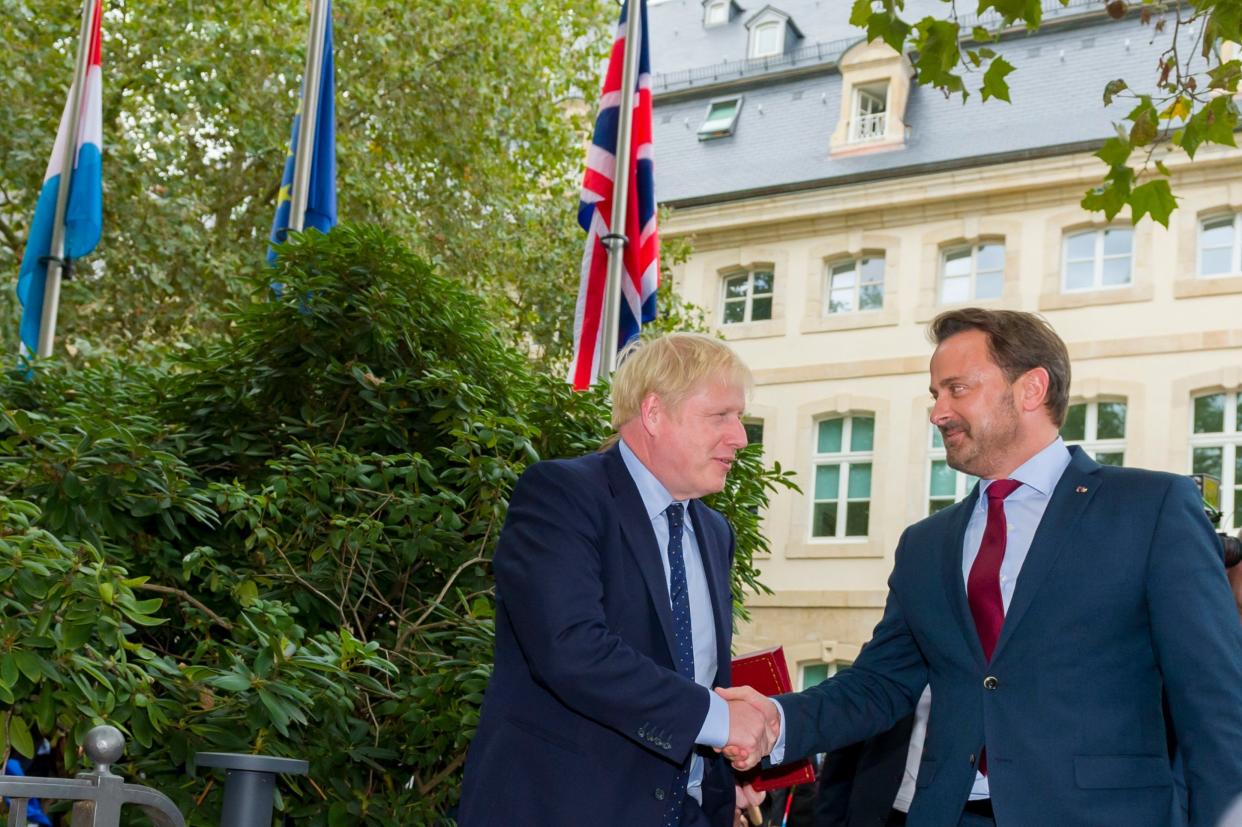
(84, 212)
(641, 274)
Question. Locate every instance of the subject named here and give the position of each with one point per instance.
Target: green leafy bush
(278, 541)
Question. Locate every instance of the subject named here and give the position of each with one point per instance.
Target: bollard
(250, 785)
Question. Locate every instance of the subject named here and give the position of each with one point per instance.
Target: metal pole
(620, 195)
(308, 116)
(55, 265)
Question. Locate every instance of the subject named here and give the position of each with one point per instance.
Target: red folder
(766, 672)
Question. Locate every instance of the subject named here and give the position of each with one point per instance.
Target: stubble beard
(980, 455)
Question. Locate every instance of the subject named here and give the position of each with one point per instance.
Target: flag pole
(312, 79)
(56, 252)
(616, 238)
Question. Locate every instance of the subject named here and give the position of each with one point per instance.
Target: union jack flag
(641, 274)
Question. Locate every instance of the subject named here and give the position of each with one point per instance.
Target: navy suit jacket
(1121, 597)
(585, 719)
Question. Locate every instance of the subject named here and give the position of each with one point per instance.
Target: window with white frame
(870, 121)
(1216, 449)
(855, 284)
(814, 673)
(1220, 253)
(1097, 259)
(721, 118)
(716, 13)
(1099, 428)
(972, 271)
(748, 296)
(767, 39)
(945, 485)
(844, 451)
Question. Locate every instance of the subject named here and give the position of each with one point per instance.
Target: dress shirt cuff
(778, 749)
(715, 729)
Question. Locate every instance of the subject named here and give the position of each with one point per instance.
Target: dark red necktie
(983, 584)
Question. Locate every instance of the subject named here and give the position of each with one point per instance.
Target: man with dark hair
(1050, 612)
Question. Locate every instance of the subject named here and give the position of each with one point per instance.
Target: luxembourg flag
(84, 211)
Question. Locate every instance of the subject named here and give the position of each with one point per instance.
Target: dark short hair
(1017, 342)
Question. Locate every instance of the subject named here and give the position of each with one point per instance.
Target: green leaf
(231, 682)
(1145, 123)
(1225, 77)
(1112, 89)
(106, 593)
(1154, 198)
(1115, 152)
(20, 737)
(8, 670)
(30, 664)
(247, 592)
(1112, 195)
(994, 83)
(938, 55)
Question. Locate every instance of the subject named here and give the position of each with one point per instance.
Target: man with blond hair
(613, 619)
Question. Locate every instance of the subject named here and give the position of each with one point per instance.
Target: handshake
(754, 726)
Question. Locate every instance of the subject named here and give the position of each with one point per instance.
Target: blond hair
(672, 366)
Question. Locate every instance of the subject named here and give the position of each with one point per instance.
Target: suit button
(659, 794)
(990, 682)
(972, 759)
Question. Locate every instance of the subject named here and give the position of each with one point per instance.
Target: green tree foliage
(278, 539)
(455, 126)
(1189, 102)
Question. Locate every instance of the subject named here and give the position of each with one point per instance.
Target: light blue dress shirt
(1024, 508)
(715, 729)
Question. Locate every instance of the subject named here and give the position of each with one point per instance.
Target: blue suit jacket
(585, 719)
(1122, 597)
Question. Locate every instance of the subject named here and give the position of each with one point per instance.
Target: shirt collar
(655, 496)
(1042, 471)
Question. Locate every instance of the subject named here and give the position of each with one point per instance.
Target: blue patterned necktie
(679, 596)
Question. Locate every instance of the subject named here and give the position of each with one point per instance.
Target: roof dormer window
(772, 33)
(870, 121)
(766, 39)
(716, 12)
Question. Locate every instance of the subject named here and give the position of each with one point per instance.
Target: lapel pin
(1082, 489)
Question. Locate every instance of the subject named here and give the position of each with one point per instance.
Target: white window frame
(1235, 244)
(1091, 442)
(973, 275)
(855, 262)
(726, 129)
(844, 460)
(868, 123)
(1097, 259)
(749, 298)
(779, 45)
(722, 5)
(962, 482)
(832, 667)
(1230, 441)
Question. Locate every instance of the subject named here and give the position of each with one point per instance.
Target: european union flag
(321, 192)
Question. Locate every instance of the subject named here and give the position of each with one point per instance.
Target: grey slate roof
(781, 140)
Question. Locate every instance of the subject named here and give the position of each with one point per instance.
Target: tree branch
(188, 598)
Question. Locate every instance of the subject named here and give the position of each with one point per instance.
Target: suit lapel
(951, 566)
(715, 564)
(1056, 528)
(640, 539)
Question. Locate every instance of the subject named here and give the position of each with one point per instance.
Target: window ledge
(927, 312)
(853, 320)
(828, 549)
(1186, 288)
(1089, 298)
(753, 330)
(867, 147)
